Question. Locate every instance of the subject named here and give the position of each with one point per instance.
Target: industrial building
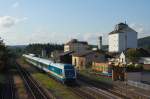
(76, 46)
(84, 60)
(121, 38)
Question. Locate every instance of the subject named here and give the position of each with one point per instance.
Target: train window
(68, 67)
(43, 65)
(55, 70)
(69, 73)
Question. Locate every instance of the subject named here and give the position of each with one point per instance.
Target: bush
(133, 55)
(134, 67)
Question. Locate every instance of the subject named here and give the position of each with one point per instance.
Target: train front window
(69, 73)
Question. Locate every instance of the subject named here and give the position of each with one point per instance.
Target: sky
(58, 21)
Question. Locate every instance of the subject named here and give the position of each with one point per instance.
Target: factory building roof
(122, 28)
(82, 54)
(66, 53)
(73, 41)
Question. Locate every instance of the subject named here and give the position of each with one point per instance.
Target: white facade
(122, 58)
(113, 42)
(75, 45)
(121, 40)
(144, 60)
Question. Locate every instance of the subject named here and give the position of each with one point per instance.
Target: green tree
(37, 48)
(3, 54)
(133, 55)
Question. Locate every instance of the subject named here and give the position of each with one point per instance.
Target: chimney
(100, 42)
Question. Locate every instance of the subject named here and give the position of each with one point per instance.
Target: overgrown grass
(59, 90)
(20, 87)
(88, 73)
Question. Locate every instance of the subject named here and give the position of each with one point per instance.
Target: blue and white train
(62, 72)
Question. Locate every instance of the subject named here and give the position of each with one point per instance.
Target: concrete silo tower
(100, 42)
(43, 53)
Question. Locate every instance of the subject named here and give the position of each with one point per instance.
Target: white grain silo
(121, 38)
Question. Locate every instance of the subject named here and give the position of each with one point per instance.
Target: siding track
(35, 90)
(8, 91)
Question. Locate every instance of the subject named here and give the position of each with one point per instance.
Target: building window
(81, 63)
(75, 61)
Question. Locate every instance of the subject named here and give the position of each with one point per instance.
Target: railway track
(125, 92)
(102, 87)
(8, 89)
(90, 92)
(116, 90)
(76, 89)
(83, 94)
(97, 92)
(35, 90)
(130, 92)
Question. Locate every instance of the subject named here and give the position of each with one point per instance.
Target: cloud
(45, 36)
(92, 38)
(137, 27)
(15, 5)
(141, 29)
(9, 21)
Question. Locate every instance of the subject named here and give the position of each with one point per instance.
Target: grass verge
(59, 90)
(89, 74)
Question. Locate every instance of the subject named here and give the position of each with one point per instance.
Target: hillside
(144, 42)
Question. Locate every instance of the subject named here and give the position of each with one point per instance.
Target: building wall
(132, 40)
(127, 40)
(122, 58)
(85, 61)
(146, 66)
(120, 41)
(145, 60)
(79, 62)
(66, 48)
(94, 56)
(113, 42)
(77, 47)
(67, 59)
(101, 67)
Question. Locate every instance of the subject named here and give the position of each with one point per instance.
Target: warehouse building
(84, 60)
